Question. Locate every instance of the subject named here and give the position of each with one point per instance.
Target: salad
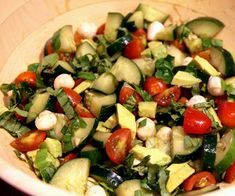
(136, 107)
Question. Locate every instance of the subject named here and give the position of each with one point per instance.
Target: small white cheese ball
(46, 120)
(195, 100)
(87, 29)
(187, 60)
(147, 130)
(214, 86)
(64, 80)
(164, 136)
(95, 190)
(153, 30)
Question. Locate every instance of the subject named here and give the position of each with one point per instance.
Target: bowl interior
(26, 49)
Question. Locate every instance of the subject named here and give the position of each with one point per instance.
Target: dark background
(6, 189)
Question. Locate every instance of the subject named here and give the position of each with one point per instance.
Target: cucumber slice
(92, 153)
(113, 22)
(63, 67)
(106, 111)
(95, 101)
(39, 103)
(83, 135)
(118, 45)
(223, 61)
(106, 175)
(146, 65)
(167, 34)
(72, 176)
(85, 48)
(151, 14)
(138, 18)
(126, 70)
(209, 151)
(100, 138)
(105, 83)
(225, 152)
(205, 27)
(180, 151)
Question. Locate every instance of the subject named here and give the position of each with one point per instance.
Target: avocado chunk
(166, 34)
(54, 147)
(178, 173)
(126, 119)
(111, 122)
(156, 156)
(73, 175)
(147, 109)
(146, 65)
(205, 66)
(214, 115)
(138, 18)
(102, 128)
(158, 49)
(178, 55)
(31, 155)
(184, 79)
(194, 45)
(83, 86)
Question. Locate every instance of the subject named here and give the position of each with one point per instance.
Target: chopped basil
(164, 68)
(33, 67)
(55, 42)
(86, 75)
(142, 123)
(208, 43)
(143, 93)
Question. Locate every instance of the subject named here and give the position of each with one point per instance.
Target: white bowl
(24, 32)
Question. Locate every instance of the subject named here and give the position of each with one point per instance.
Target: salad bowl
(23, 35)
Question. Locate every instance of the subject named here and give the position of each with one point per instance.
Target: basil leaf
(208, 43)
(184, 33)
(21, 112)
(143, 93)
(142, 123)
(164, 67)
(86, 75)
(130, 103)
(50, 60)
(55, 41)
(33, 67)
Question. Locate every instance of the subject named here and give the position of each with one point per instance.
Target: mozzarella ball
(95, 190)
(87, 29)
(147, 130)
(46, 120)
(164, 136)
(151, 142)
(153, 30)
(64, 80)
(195, 100)
(214, 86)
(187, 60)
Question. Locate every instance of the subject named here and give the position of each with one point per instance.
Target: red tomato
(27, 76)
(230, 174)
(29, 141)
(83, 112)
(179, 45)
(126, 92)
(196, 122)
(140, 33)
(154, 85)
(220, 99)
(74, 97)
(78, 38)
(78, 81)
(20, 118)
(164, 98)
(183, 100)
(118, 145)
(226, 113)
(206, 54)
(68, 157)
(100, 30)
(199, 180)
(48, 48)
(133, 49)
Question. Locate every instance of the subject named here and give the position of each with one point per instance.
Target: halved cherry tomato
(127, 91)
(83, 112)
(58, 108)
(140, 33)
(118, 145)
(230, 174)
(68, 157)
(27, 76)
(48, 49)
(74, 97)
(226, 113)
(220, 99)
(199, 180)
(154, 85)
(164, 98)
(78, 81)
(29, 141)
(196, 122)
(100, 30)
(78, 38)
(179, 45)
(183, 100)
(206, 54)
(134, 48)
